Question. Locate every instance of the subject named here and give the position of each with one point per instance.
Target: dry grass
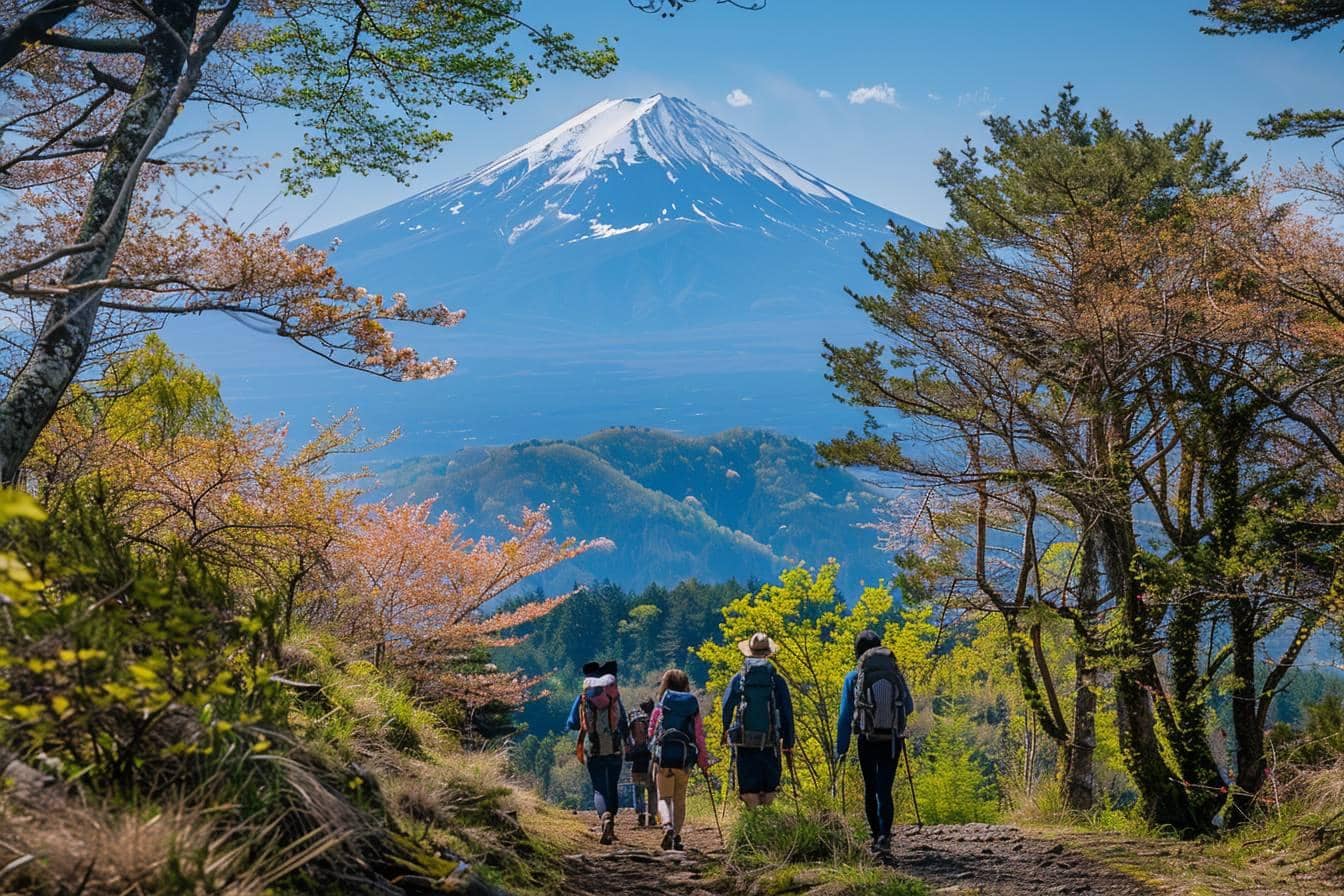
(77, 849)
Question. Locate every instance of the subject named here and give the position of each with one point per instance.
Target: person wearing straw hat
(758, 721)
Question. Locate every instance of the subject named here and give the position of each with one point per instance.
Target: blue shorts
(758, 771)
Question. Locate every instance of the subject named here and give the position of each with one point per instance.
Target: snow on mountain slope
(641, 263)
(620, 167)
(674, 133)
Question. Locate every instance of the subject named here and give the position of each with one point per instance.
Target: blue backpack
(674, 740)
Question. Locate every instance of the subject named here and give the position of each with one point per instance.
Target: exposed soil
(971, 859)
(1001, 859)
(635, 866)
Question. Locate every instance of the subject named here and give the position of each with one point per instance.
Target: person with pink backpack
(604, 735)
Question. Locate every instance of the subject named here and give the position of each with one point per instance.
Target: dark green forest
(742, 503)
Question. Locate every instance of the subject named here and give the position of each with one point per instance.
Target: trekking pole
(910, 776)
(709, 785)
(793, 780)
(844, 804)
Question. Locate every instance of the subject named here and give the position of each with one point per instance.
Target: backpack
(757, 724)
(674, 741)
(600, 719)
(879, 694)
(639, 734)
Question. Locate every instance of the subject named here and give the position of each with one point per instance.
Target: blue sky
(929, 72)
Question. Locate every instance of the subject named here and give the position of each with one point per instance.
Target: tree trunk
(1250, 755)
(1079, 776)
(61, 345)
(1187, 726)
(1163, 800)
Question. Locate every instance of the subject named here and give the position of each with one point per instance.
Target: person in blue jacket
(604, 734)
(759, 768)
(877, 760)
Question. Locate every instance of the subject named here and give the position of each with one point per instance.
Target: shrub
(112, 658)
(778, 834)
(952, 785)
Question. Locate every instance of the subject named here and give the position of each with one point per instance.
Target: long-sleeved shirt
(783, 702)
(844, 726)
(702, 752)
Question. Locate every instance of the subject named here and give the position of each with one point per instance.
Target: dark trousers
(606, 774)
(878, 762)
(758, 771)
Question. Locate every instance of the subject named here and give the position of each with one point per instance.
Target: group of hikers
(664, 738)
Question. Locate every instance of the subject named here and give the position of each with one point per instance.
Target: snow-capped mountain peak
(667, 131)
(628, 166)
(625, 171)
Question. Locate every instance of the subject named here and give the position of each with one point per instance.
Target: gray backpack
(879, 694)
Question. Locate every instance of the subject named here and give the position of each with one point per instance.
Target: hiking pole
(910, 776)
(709, 785)
(844, 804)
(793, 780)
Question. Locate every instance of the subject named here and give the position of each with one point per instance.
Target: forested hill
(740, 504)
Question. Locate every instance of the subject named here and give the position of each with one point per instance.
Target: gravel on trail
(994, 860)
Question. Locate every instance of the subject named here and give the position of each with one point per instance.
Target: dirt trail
(1001, 859)
(635, 866)
(971, 859)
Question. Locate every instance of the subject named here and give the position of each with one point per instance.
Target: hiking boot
(677, 844)
(608, 829)
(883, 844)
(669, 839)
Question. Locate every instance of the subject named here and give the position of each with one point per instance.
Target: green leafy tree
(815, 630)
(1032, 349)
(951, 781)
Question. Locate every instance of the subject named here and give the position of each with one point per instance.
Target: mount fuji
(641, 263)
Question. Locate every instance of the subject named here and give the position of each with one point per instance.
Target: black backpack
(879, 694)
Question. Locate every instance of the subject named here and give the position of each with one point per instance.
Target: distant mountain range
(642, 263)
(740, 504)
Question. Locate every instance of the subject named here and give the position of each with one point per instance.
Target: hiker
(758, 722)
(599, 717)
(639, 756)
(874, 704)
(678, 745)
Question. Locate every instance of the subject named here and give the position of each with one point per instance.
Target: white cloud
(935, 97)
(738, 98)
(825, 94)
(878, 93)
(983, 98)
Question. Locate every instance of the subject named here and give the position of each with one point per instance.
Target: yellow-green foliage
(112, 659)
(815, 631)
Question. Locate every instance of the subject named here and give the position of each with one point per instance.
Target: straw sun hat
(759, 644)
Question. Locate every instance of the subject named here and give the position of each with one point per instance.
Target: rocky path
(635, 866)
(993, 860)
(1001, 859)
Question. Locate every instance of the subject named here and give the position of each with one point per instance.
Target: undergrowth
(789, 847)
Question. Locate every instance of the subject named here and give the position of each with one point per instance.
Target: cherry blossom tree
(95, 159)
